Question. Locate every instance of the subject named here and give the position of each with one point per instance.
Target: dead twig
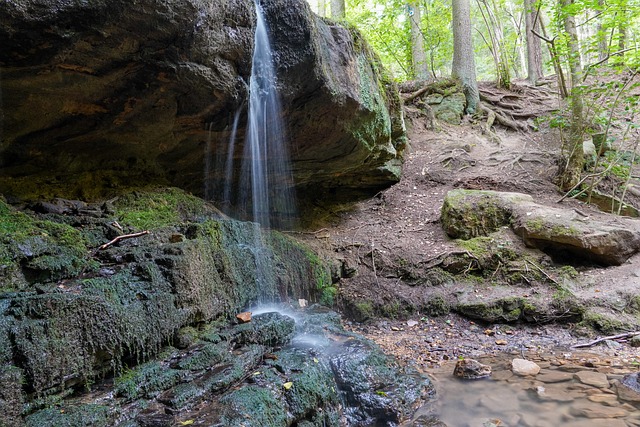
(610, 337)
(122, 237)
(541, 271)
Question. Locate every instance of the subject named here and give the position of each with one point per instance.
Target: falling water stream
(262, 191)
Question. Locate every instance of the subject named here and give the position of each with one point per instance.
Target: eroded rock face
(562, 233)
(102, 96)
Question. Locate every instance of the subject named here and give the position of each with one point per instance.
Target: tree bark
(418, 54)
(572, 145)
(601, 36)
(534, 49)
(464, 66)
(337, 9)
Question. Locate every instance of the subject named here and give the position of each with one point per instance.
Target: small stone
(411, 323)
(471, 369)
(501, 342)
(595, 379)
(613, 344)
(489, 332)
(634, 341)
(302, 302)
(395, 328)
(524, 367)
(244, 317)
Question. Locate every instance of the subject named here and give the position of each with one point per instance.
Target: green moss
(603, 323)
(254, 407)
(38, 250)
(363, 311)
(469, 213)
(436, 306)
(568, 272)
(157, 209)
(145, 380)
(89, 415)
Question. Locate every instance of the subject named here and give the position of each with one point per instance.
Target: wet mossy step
(256, 374)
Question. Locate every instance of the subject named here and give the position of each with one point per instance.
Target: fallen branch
(541, 271)
(610, 337)
(122, 237)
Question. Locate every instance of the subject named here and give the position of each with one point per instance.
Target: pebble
(524, 367)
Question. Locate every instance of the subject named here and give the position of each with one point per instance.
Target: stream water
(581, 392)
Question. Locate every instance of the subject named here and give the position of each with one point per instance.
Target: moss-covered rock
(89, 415)
(11, 395)
(119, 305)
(471, 213)
(559, 232)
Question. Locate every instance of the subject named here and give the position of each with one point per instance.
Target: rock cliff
(99, 97)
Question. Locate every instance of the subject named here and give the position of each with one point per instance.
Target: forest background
(415, 39)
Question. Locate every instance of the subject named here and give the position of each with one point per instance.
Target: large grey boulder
(562, 233)
(102, 96)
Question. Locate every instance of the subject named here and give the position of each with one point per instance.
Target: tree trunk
(601, 36)
(322, 7)
(572, 146)
(464, 66)
(418, 55)
(534, 49)
(337, 9)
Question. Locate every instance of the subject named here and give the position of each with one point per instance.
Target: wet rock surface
(324, 376)
(74, 309)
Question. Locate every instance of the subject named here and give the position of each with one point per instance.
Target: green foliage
(386, 27)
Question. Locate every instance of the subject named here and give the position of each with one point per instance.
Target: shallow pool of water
(575, 392)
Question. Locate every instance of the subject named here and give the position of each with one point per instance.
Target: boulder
(562, 233)
(628, 389)
(99, 97)
(565, 234)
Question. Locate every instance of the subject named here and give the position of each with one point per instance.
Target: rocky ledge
(101, 97)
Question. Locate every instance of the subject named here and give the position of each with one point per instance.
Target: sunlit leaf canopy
(385, 24)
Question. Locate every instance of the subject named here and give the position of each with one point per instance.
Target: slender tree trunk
(337, 9)
(322, 7)
(418, 54)
(464, 66)
(534, 50)
(572, 146)
(601, 35)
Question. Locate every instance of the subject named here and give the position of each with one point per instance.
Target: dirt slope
(391, 246)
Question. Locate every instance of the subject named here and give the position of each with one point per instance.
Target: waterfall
(266, 185)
